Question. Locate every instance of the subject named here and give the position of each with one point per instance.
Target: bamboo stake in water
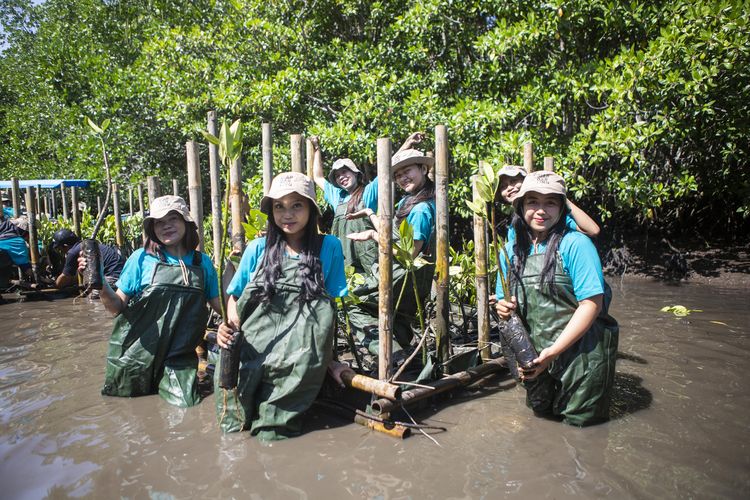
(194, 188)
(76, 217)
(267, 156)
(15, 189)
(442, 337)
(175, 187)
(33, 247)
(385, 258)
(153, 189)
(298, 153)
(549, 164)
(528, 157)
(141, 207)
(480, 263)
(238, 215)
(214, 165)
(119, 238)
(66, 215)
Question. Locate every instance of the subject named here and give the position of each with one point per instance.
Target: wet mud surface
(679, 426)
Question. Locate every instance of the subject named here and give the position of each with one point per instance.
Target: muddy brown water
(680, 426)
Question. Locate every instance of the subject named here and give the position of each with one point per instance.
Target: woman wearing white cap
(160, 304)
(281, 298)
(354, 203)
(559, 291)
(417, 207)
(511, 179)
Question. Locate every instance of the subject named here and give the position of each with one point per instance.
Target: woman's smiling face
(291, 213)
(541, 212)
(170, 229)
(411, 178)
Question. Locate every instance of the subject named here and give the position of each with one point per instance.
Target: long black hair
(427, 192)
(522, 246)
(310, 271)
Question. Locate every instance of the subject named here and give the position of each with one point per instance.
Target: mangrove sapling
(92, 276)
(514, 337)
(230, 149)
(404, 253)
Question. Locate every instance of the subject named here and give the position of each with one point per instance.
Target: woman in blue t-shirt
(560, 294)
(281, 299)
(160, 309)
(417, 207)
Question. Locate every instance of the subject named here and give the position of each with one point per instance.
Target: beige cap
(410, 157)
(165, 204)
(339, 164)
(512, 171)
(542, 182)
(287, 183)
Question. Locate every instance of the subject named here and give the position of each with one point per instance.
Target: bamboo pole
(396, 430)
(39, 200)
(15, 190)
(33, 246)
(76, 216)
(310, 157)
(66, 214)
(267, 157)
(154, 190)
(235, 186)
(130, 200)
(46, 206)
(549, 164)
(175, 187)
(119, 238)
(195, 188)
(54, 202)
(528, 157)
(442, 336)
(298, 153)
(480, 263)
(367, 384)
(446, 383)
(98, 204)
(214, 165)
(141, 208)
(385, 258)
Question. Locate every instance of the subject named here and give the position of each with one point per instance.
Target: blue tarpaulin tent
(47, 183)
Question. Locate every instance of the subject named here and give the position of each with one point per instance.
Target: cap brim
(414, 160)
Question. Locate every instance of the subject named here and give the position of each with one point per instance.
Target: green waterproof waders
(361, 255)
(363, 316)
(152, 347)
(286, 348)
(578, 384)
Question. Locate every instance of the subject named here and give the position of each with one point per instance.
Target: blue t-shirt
(16, 248)
(112, 260)
(422, 220)
(331, 259)
(580, 261)
(570, 223)
(8, 212)
(139, 268)
(335, 196)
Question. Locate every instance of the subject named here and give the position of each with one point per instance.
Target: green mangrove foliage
(643, 104)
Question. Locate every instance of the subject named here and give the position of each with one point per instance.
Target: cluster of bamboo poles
(299, 157)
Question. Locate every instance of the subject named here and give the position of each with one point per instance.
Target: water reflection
(678, 429)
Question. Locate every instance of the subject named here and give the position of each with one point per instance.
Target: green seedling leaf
(477, 208)
(105, 124)
(94, 126)
(210, 138)
(679, 311)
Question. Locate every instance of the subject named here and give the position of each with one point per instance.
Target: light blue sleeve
(332, 194)
(132, 273)
(422, 220)
(248, 265)
(212, 278)
(370, 195)
(581, 262)
(570, 222)
(332, 261)
(504, 269)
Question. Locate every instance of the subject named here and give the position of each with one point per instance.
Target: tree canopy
(643, 105)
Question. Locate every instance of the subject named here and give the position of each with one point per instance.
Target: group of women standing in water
(282, 296)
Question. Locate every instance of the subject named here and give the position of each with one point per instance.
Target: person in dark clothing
(70, 245)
